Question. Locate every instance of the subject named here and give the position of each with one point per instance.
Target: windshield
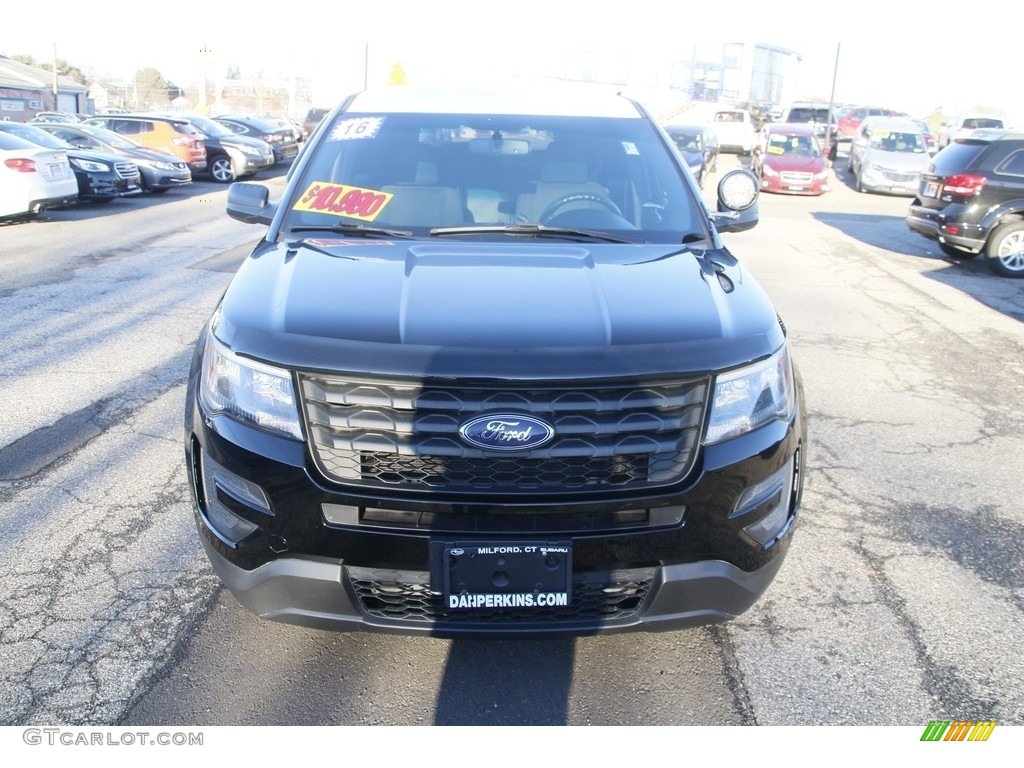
(417, 172)
(798, 145)
(728, 117)
(807, 115)
(983, 122)
(895, 141)
(110, 138)
(687, 142)
(211, 127)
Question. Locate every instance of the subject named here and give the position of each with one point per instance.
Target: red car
(852, 117)
(789, 160)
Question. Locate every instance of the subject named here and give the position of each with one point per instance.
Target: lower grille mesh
(407, 596)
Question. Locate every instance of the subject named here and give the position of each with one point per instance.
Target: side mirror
(250, 203)
(738, 191)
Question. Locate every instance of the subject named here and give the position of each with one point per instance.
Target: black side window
(130, 127)
(1013, 165)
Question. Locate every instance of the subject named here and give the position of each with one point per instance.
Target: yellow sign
(341, 200)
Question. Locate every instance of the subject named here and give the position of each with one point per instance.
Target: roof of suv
(994, 134)
(575, 100)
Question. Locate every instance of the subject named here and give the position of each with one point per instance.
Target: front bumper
(105, 186)
(317, 593)
(888, 183)
(285, 152)
(158, 179)
(247, 165)
(780, 186)
(323, 556)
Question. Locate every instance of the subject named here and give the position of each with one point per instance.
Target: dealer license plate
(494, 576)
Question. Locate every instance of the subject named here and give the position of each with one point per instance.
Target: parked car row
(968, 196)
(160, 171)
(120, 154)
(99, 176)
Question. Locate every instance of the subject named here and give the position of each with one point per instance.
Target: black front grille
(405, 435)
(407, 596)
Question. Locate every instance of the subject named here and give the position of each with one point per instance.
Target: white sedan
(33, 178)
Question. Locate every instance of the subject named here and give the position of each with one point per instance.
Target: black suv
(971, 200)
(491, 370)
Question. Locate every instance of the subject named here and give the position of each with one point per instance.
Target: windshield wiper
(530, 230)
(353, 230)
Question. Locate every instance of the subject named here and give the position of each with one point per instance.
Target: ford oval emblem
(506, 432)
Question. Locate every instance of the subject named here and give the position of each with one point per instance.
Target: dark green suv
(971, 200)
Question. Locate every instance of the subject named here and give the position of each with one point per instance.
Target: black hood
(495, 309)
(97, 157)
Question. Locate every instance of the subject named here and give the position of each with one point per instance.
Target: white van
(735, 131)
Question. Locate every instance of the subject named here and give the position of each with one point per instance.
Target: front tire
(221, 170)
(1005, 249)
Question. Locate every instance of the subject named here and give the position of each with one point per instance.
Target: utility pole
(832, 130)
(55, 107)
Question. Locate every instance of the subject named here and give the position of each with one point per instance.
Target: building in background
(26, 91)
(754, 73)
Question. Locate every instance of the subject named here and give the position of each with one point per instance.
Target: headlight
(158, 164)
(252, 151)
(89, 165)
(821, 174)
(253, 393)
(751, 397)
(767, 170)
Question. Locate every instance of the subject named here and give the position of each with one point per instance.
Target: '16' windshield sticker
(339, 200)
(357, 128)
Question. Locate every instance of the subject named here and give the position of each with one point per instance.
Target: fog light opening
(772, 498)
(223, 522)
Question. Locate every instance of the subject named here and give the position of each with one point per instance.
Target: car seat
(421, 202)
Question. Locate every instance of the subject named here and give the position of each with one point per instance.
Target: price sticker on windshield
(341, 200)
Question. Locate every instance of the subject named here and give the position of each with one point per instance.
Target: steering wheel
(549, 212)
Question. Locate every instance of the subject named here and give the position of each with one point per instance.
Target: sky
(903, 61)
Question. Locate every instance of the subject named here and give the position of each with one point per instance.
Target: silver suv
(888, 155)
